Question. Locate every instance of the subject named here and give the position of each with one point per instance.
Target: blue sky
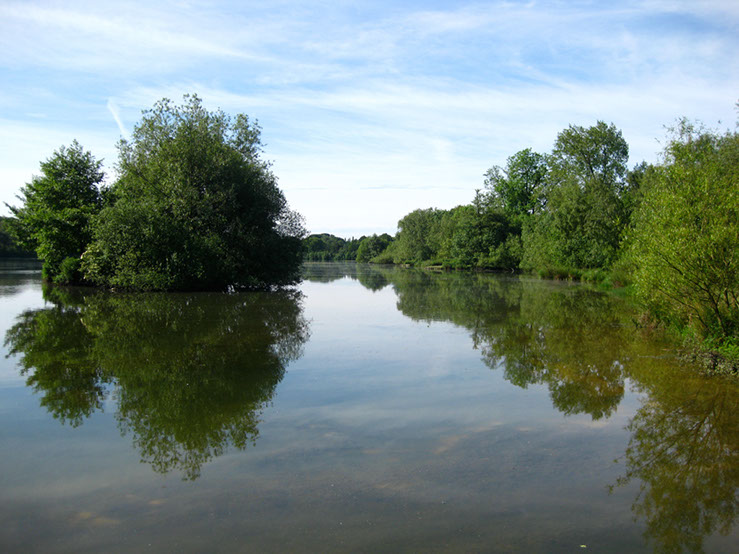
(369, 109)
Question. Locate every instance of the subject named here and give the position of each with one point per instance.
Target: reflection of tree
(569, 338)
(684, 449)
(326, 272)
(190, 372)
(55, 348)
(684, 444)
(372, 278)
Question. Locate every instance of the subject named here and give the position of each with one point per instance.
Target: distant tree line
(325, 247)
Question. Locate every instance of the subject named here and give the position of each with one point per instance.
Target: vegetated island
(195, 207)
(667, 232)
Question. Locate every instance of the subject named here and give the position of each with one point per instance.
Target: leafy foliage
(9, 247)
(519, 187)
(418, 237)
(585, 216)
(373, 246)
(685, 242)
(325, 247)
(58, 207)
(194, 207)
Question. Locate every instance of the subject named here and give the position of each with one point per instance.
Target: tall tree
(519, 187)
(372, 246)
(57, 209)
(194, 207)
(418, 236)
(585, 215)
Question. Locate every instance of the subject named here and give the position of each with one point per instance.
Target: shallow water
(371, 409)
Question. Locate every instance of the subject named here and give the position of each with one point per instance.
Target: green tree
(348, 249)
(418, 237)
(685, 242)
(57, 209)
(482, 235)
(194, 207)
(519, 187)
(9, 247)
(585, 216)
(326, 247)
(373, 246)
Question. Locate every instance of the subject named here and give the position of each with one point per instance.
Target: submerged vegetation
(194, 207)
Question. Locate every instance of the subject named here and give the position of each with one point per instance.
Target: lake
(368, 409)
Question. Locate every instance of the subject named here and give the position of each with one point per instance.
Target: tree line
(669, 230)
(196, 207)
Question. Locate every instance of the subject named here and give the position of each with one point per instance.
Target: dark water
(368, 410)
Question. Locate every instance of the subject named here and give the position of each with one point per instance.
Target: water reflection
(573, 340)
(16, 273)
(684, 452)
(683, 449)
(190, 373)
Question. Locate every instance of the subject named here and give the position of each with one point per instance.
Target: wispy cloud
(369, 109)
(113, 109)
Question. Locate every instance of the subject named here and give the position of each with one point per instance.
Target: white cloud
(388, 110)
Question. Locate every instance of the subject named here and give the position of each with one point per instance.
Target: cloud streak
(113, 109)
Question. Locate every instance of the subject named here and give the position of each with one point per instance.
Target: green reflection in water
(190, 373)
(582, 344)
(574, 340)
(684, 452)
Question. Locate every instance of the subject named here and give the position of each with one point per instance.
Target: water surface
(370, 409)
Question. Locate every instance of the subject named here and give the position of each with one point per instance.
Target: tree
(194, 207)
(8, 245)
(373, 246)
(482, 236)
(519, 187)
(596, 154)
(585, 216)
(685, 241)
(57, 209)
(418, 236)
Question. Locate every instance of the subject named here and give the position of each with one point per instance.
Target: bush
(69, 272)
(685, 244)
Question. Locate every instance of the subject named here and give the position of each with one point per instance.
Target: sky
(369, 109)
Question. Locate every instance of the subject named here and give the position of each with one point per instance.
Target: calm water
(368, 410)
